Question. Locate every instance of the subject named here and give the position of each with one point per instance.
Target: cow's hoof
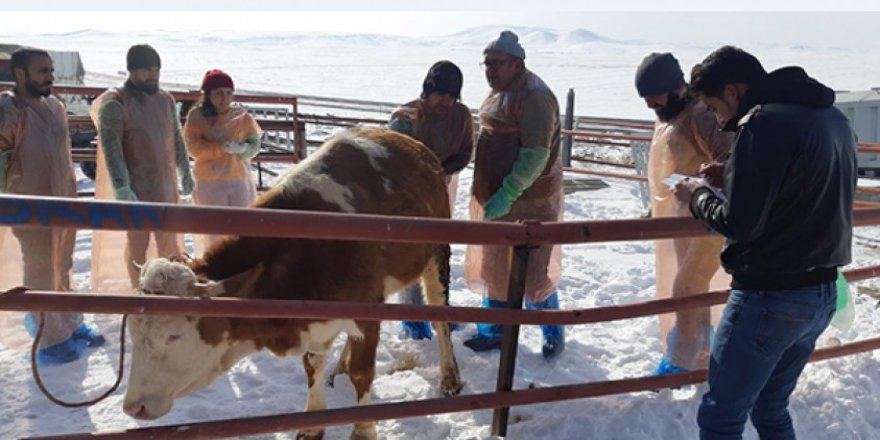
(451, 387)
(364, 433)
(310, 435)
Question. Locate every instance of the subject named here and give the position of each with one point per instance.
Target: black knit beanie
(142, 55)
(443, 77)
(658, 74)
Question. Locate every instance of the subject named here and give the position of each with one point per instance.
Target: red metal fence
(48, 212)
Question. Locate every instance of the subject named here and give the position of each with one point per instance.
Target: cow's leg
(340, 365)
(360, 364)
(435, 283)
(314, 366)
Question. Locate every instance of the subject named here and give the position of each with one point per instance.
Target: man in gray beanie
(517, 176)
(141, 56)
(686, 135)
(440, 121)
(141, 158)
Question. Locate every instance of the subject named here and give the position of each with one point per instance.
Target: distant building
(863, 110)
(5, 74)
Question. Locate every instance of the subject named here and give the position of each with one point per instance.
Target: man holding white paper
(686, 135)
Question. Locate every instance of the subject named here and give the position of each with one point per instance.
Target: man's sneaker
(61, 353)
(92, 338)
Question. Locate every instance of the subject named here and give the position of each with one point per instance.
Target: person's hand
(496, 206)
(713, 172)
(187, 184)
(232, 147)
(216, 134)
(684, 189)
(125, 194)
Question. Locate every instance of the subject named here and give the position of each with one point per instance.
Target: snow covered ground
(835, 399)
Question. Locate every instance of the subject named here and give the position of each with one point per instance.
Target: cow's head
(171, 357)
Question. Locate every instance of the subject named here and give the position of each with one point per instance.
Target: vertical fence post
(567, 141)
(640, 152)
(300, 141)
(510, 340)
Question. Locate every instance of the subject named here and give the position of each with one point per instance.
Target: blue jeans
(762, 344)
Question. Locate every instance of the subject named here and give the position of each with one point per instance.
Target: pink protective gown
(524, 115)
(685, 266)
(149, 149)
(37, 133)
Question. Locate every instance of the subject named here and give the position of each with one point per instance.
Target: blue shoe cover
(92, 338)
(488, 336)
(554, 341)
(554, 335)
(666, 367)
(61, 353)
(415, 330)
(31, 324)
(483, 343)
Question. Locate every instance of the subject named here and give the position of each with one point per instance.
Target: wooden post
(567, 141)
(510, 340)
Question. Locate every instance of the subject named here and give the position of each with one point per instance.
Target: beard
(674, 105)
(34, 89)
(149, 89)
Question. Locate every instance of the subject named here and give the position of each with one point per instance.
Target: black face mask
(674, 106)
(148, 89)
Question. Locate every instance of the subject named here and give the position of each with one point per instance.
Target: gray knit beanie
(658, 73)
(142, 56)
(508, 43)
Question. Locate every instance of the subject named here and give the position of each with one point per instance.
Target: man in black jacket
(786, 211)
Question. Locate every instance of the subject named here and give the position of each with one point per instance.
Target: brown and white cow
(371, 171)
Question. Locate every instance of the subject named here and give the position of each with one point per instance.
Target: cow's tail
(444, 253)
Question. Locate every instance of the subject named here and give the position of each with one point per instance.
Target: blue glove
(528, 167)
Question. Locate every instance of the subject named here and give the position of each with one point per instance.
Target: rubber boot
(554, 335)
(488, 336)
(414, 329)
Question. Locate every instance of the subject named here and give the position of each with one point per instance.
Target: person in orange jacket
(222, 139)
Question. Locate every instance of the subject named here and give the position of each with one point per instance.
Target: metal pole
(568, 125)
(510, 340)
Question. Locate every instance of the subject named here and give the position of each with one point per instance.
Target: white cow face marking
(169, 357)
(169, 360)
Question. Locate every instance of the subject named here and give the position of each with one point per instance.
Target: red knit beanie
(216, 78)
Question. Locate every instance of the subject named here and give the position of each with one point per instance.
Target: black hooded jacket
(789, 183)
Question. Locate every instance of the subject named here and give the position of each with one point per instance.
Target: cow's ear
(239, 284)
